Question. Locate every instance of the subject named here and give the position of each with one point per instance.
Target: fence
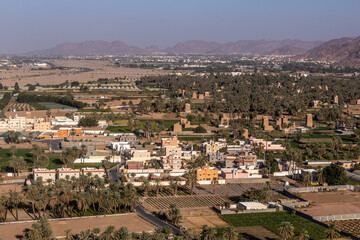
(337, 217)
(323, 188)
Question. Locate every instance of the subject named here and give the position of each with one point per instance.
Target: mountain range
(343, 51)
(188, 47)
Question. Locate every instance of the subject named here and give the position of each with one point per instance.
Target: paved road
(154, 220)
(114, 173)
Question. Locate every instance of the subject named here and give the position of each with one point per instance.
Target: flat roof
(252, 204)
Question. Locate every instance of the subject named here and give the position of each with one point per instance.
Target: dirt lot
(100, 69)
(195, 223)
(5, 188)
(257, 233)
(332, 203)
(133, 222)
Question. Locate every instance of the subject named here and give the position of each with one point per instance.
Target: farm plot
(228, 189)
(332, 203)
(52, 105)
(166, 191)
(349, 226)
(18, 107)
(162, 203)
(272, 221)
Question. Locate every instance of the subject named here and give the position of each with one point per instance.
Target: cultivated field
(163, 203)
(74, 71)
(271, 221)
(19, 107)
(228, 189)
(332, 203)
(349, 226)
(132, 221)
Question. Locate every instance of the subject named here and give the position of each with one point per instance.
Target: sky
(27, 25)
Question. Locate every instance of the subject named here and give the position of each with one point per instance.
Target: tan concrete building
(309, 120)
(172, 150)
(265, 123)
(63, 172)
(187, 108)
(177, 127)
(45, 174)
(171, 162)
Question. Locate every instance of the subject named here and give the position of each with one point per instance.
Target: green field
(54, 160)
(192, 138)
(272, 221)
(119, 129)
(94, 110)
(5, 154)
(126, 129)
(53, 105)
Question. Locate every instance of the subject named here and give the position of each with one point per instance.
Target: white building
(63, 172)
(64, 121)
(120, 146)
(252, 205)
(45, 174)
(93, 171)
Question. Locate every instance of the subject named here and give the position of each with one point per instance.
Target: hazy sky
(39, 24)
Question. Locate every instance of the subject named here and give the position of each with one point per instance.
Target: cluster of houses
(65, 173)
(41, 124)
(170, 159)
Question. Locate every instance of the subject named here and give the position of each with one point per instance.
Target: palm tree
(123, 233)
(176, 184)
(174, 214)
(4, 206)
(83, 151)
(106, 164)
(17, 164)
(40, 230)
(321, 177)
(332, 232)
(41, 162)
(208, 233)
(82, 201)
(230, 233)
(307, 179)
(13, 150)
(146, 186)
(286, 230)
(214, 181)
(191, 180)
(147, 127)
(303, 235)
(109, 234)
(32, 194)
(186, 235)
(157, 181)
(36, 151)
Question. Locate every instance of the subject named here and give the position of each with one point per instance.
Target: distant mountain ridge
(343, 51)
(188, 47)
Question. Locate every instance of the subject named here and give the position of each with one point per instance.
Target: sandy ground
(332, 203)
(257, 232)
(133, 222)
(101, 69)
(195, 223)
(5, 188)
